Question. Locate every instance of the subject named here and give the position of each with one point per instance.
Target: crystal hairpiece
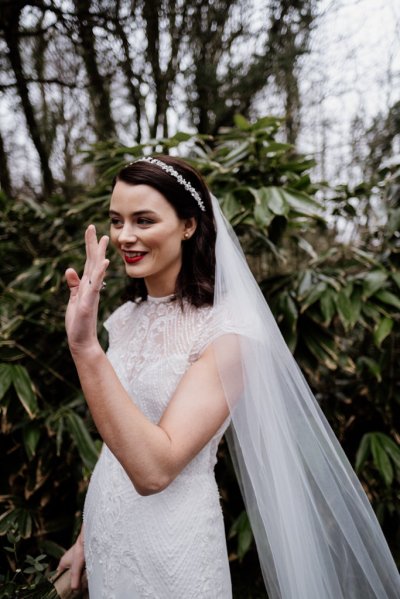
(174, 173)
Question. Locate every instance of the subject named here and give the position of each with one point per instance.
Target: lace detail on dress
(170, 545)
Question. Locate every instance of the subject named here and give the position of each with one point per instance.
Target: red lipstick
(133, 259)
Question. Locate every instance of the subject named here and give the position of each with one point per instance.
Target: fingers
(95, 266)
(74, 560)
(99, 261)
(66, 560)
(76, 575)
(95, 251)
(78, 564)
(90, 245)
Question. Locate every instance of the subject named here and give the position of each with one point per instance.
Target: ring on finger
(103, 286)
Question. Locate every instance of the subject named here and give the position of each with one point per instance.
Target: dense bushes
(336, 304)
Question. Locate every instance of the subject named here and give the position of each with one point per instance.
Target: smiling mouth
(133, 257)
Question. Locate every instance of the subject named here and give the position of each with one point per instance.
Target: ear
(189, 227)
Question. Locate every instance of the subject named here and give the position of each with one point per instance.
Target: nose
(127, 234)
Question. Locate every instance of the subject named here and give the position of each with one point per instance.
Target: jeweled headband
(174, 173)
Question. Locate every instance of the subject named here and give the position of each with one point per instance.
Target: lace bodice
(136, 539)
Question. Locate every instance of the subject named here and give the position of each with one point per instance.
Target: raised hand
(82, 309)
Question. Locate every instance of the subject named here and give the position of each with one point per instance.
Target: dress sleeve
(116, 322)
(213, 323)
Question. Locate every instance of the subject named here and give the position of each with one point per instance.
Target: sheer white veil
(316, 534)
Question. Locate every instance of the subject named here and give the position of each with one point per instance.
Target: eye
(144, 221)
(115, 221)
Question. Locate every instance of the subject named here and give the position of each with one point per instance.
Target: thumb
(72, 279)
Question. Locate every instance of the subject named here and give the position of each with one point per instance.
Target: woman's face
(148, 235)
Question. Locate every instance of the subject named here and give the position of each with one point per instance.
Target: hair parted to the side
(195, 282)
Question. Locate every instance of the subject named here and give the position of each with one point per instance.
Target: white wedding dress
(170, 545)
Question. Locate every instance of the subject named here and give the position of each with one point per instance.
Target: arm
(152, 454)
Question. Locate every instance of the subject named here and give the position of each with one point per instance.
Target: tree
(10, 27)
(133, 70)
(98, 85)
(288, 41)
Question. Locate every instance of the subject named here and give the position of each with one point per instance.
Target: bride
(195, 350)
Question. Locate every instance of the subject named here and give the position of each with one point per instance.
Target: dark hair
(195, 281)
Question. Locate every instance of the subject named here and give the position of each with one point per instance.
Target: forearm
(143, 448)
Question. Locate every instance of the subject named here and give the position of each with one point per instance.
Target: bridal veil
(316, 533)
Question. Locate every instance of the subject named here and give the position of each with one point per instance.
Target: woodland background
(86, 85)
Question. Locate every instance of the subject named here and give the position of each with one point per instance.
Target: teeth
(134, 254)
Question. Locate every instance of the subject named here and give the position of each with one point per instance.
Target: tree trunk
(289, 39)
(163, 79)
(98, 87)
(132, 80)
(151, 10)
(10, 23)
(5, 179)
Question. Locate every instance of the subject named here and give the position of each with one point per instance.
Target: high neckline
(160, 300)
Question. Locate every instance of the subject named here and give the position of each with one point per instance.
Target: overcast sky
(353, 69)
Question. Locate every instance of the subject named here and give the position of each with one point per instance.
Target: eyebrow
(137, 213)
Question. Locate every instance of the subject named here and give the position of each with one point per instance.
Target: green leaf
(242, 529)
(372, 366)
(231, 206)
(391, 448)
(289, 314)
(328, 305)
(237, 154)
(343, 304)
(314, 295)
(266, 122)
(26, 297)
(396, 278)
(5, 378)
(275, 147)
(51, 548)
(306, 282)
(363, 451)
(371, 312)
(16, 518)
(25, 390)
(388, 298)
(241, 122)
(373, 281)
(307, 247)
(268, 202)
(322, 348)
(31, 435)
(355, 305)
(244, 541)
(272, 198)
(262, 216)
(382, 330)
(393, 224)
(83, 440)
(301, 203)
(181, 136)
(381, 459)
